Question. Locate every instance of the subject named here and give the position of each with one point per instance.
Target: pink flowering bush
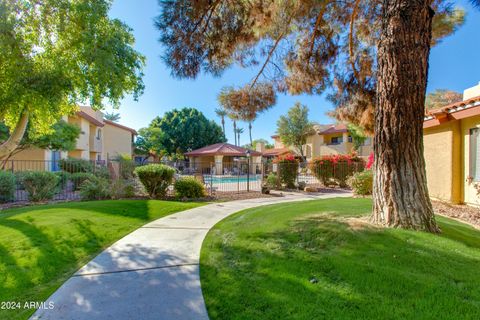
(370, 161)
(336, 167)
(287, 170)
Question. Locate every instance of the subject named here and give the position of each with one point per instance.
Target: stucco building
(327, 140)
(99, 139)
(452, 150)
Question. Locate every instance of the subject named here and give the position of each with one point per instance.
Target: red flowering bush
(336, 167)
(370, 161)
(287, 168)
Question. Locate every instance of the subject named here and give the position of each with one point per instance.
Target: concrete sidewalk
(152, 273)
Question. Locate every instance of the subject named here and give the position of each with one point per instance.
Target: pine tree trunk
(400, 193)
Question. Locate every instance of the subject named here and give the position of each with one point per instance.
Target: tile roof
(454, 107)
(222, 149)
(112, 123)
(89, 118)
(276, 151)
(335, 128)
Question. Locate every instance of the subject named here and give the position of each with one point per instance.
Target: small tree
(63, 137)
(442, 97)
(182, 129)
(57, 54)
(358, 135)
(294, 128)
(112, 116)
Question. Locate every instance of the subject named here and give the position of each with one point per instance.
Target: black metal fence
(225, 177)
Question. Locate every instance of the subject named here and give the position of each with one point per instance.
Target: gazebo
(221, 157)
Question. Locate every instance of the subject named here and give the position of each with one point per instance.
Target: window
(336, 140)
(367, 142)
(99, 134)
(350, 139)
(99, 157)
(474, 154)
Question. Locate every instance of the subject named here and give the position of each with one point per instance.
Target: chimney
(471, 92)
(260, 147)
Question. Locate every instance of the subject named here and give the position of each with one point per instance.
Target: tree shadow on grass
(42, 262)
(368, 273)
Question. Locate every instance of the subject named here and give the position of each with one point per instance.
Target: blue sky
(454, 64)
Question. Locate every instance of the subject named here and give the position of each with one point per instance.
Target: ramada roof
(221, 149)
(276, 151)
(455, 111)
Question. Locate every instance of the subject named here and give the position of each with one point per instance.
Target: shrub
(189, 187)
(101, 172)
(40, 185)
(155, 178)
(95, 189)
(80, 177)
(336, 167)
(371, 160)
(122, 188)
(126, 167)
(19, 175)
(63, 178)
(272, 180)
(73, 165)
(287, 170)
(7, 186)
(362, 182)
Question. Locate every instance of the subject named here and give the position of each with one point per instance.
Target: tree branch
(15, 138)
(350, 40)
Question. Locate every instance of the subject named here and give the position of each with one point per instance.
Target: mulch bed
(464, 213)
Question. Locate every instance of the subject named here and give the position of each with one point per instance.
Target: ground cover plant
(42, 246)
(322, 260)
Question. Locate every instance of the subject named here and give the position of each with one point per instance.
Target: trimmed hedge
(7, 186)
(40, 185)
(190, 188)
(155, 178)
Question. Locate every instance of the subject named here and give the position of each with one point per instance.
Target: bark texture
(400, 191)
(15, 138)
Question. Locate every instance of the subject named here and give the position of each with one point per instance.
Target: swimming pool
(231, 179)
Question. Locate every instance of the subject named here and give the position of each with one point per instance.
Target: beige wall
(83, 141)
(277, 143)
(470, 193)
(116, 141)
(441, 144)
(471, 92)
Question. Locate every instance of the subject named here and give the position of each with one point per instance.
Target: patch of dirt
(359, 223)
(464, 213)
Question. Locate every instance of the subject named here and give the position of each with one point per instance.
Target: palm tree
(112, 116)
(250, 133)
(239, 131)
(234, 117)
(222, 113)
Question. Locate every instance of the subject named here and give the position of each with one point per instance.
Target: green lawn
(41, 246)
(258, 264)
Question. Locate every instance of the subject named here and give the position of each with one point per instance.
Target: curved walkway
(152, 273)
